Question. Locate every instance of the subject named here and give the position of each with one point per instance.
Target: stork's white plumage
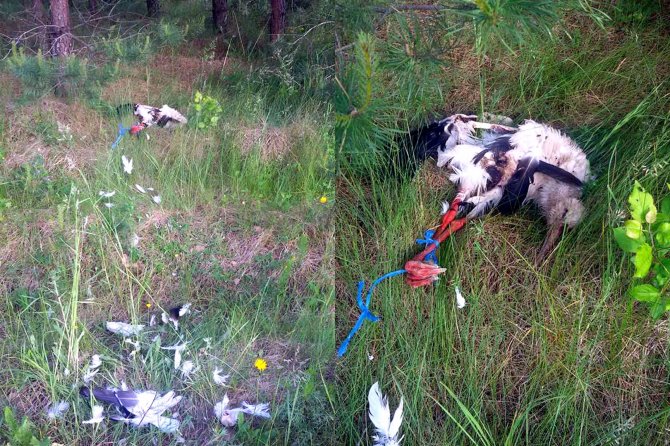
(165, 116)
(508, 167)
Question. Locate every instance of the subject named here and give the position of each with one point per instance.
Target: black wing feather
(558, 174)
(516, 189)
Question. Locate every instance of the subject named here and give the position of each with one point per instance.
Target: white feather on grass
(92, 369)
(96, 415)
(104, 194)
(57, 410)
(220, 380)
(460, 300)
(387, 429)
(178, 348)
(121, 328)
(228, 417)
(127, 164)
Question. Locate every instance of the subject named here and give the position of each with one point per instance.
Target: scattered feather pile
(228, 417)
(139, 408)
(387, 429)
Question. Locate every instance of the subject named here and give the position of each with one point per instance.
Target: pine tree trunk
(220, 15)
(153, 8)
(61, 43)
(278, 19)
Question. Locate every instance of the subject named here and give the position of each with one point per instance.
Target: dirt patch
(78, 130)
(31, 400)
(189, 70)
(272, 142)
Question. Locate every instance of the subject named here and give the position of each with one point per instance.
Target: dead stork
(503, 170)
(165, 116)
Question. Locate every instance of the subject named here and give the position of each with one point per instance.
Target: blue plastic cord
(427, 240)
(365, 311)
(122, 131)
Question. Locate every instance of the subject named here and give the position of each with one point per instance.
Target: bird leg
(553, 234)
(420, 272)
(451, 213)
(498, 128)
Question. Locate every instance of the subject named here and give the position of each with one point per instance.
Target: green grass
(549, 355)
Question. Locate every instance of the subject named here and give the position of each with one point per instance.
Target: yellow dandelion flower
(323, 199)
(148, 304)
(261, 364)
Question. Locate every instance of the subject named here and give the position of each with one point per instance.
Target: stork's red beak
(137, 128)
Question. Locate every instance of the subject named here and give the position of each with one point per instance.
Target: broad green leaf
(645, 293)
(642, 260)
(661, 272)
(665, 205)
(641, 205)
(663, 235)
(625, 243)
(657, 309)
(633, 229)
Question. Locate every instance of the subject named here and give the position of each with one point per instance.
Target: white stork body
(510, 167)
(165, 116)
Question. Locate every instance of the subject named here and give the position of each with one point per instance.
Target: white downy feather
(387, 429)
(460, 300)
(178, 348)
(127, 164)
(92, 369)
(220, 380)
(96, 415)
(57, 410)
(228, 417)
(121, 328)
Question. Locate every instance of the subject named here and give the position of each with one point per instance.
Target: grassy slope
(241, 236)
(550, 355)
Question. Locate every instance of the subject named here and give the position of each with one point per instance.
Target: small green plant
(20, 434)
(131, 49)
(647, 235)
(207, 111)
(5, 203)
(36, 73)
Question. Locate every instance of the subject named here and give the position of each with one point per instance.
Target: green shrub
(130, 49)
(207, 111)
(646, 235)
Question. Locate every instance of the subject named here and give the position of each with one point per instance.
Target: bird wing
(516, 189)
(172, 114)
